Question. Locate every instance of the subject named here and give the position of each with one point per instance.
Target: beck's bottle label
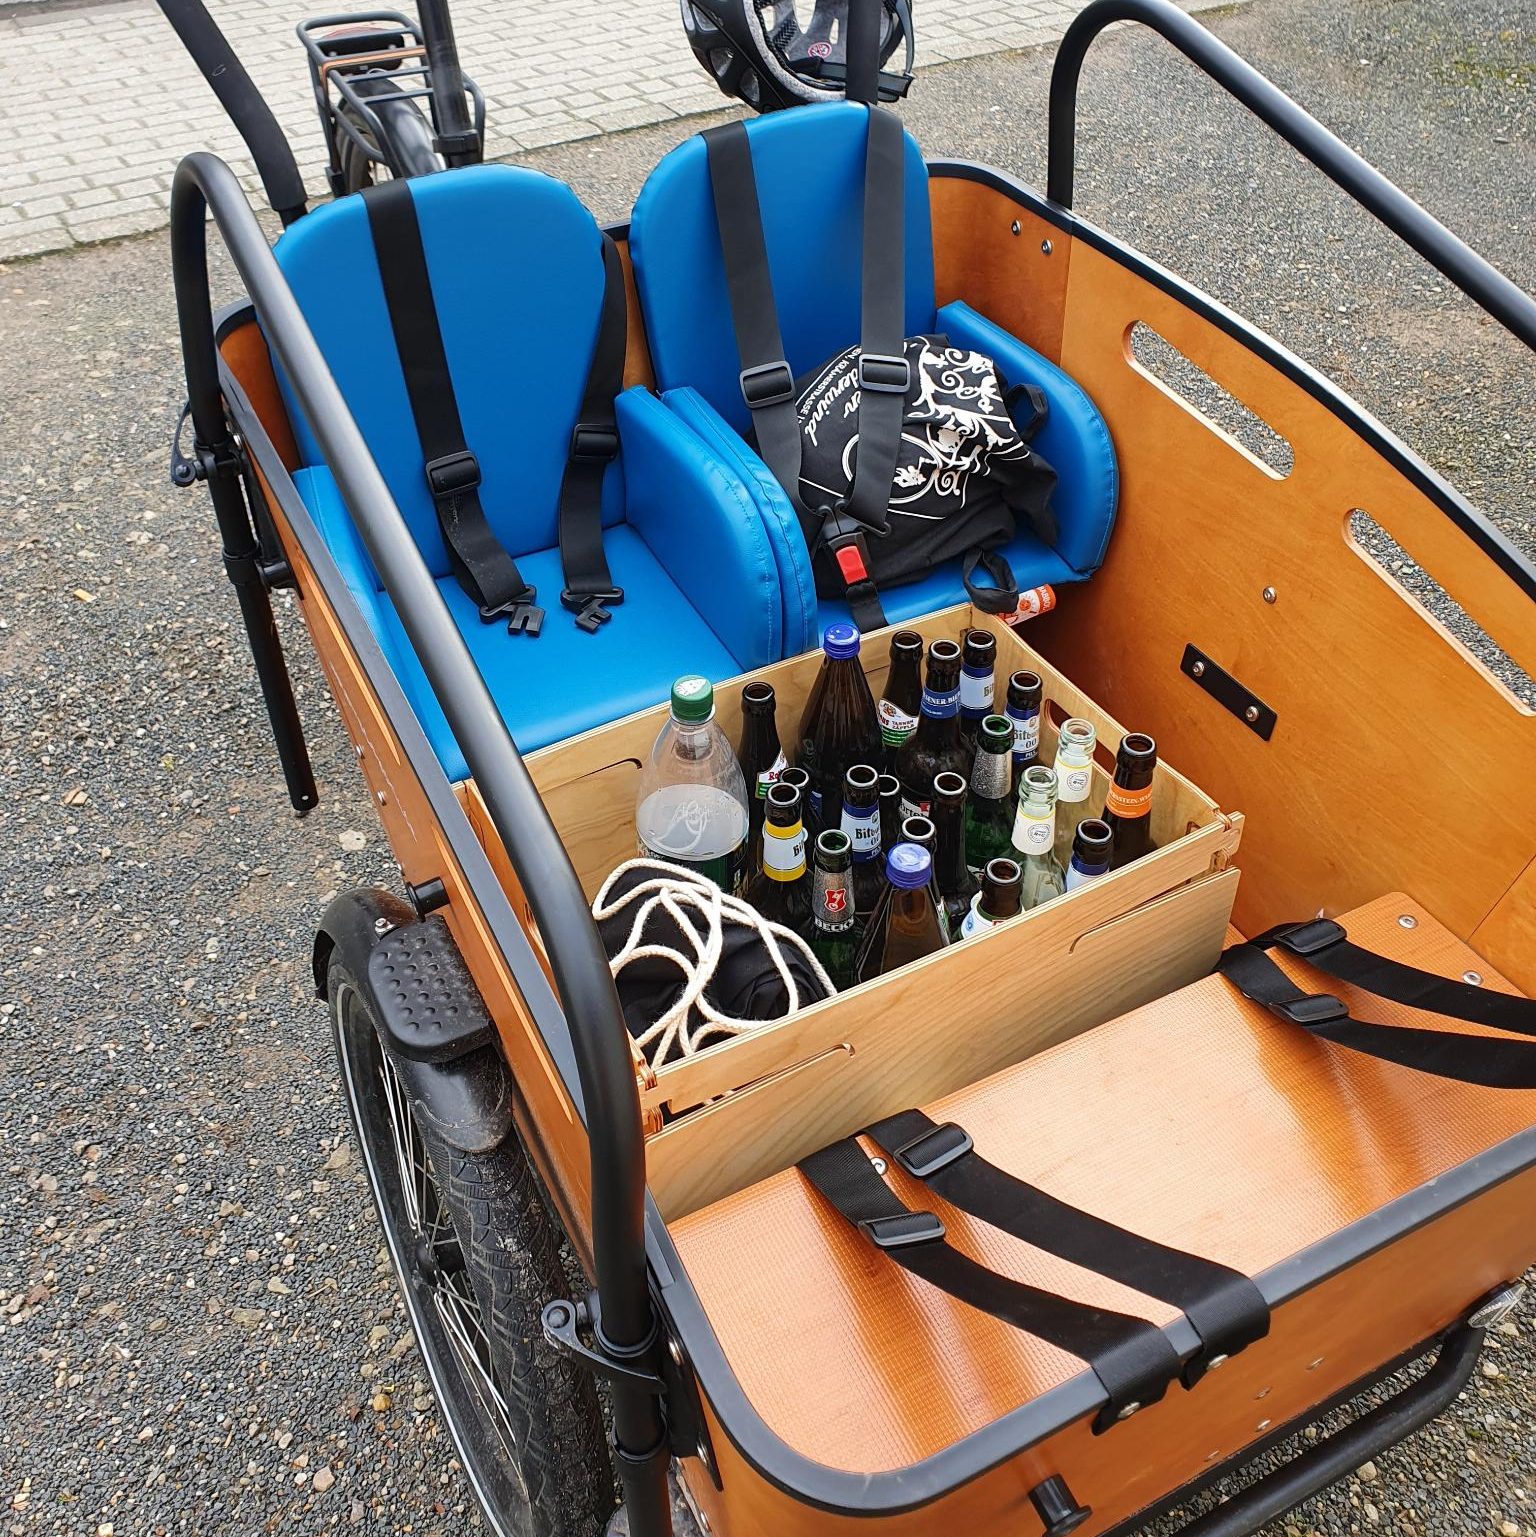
(832, 906)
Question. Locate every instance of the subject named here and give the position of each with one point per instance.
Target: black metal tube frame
(204, 184)
(458, 141)
(1481, 282)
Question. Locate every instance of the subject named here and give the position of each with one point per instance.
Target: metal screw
(1407, 921)
(1016, 228)
(674, 1350)
(382, 925)
(1197, 670)
(357, 751)
(1263, 1424)
(1263, 1392)
(878, 1164)
(1214, 1362)
(1251, 714)
(1128, 1411)
(1312, 1366)
(1046, 248)
(1474, 977)
(380, 797)
(1270, 595)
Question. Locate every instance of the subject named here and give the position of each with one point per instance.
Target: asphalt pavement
(198, 1330)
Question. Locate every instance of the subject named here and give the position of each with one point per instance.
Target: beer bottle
(761, 759)
(861, 822)
(839, 725)
(1026, 693)
(957, 885)
(1074, 779)
(781, 889)
(1128, 806)
(1092, 849)
(978, 662)
(1034, 836)
(935, 747)
(796, 776)
(890, 815)
(901, 696)
(906, 924)
(998, 900)
(834, 932)
(922, 832)
(691, 802)
(989, 812)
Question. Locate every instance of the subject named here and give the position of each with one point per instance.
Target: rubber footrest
(429, 1007)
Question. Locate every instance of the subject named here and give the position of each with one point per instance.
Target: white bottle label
(976, 692)
(1032, 834)
(895, 724)
(1072, 783)
(1026, 736)
(863, 832)
(784, 852)
(1077, 876)
(976, 921)
(770, 776)
(912, 808)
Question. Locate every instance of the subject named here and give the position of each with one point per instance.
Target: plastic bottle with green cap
(691, 808)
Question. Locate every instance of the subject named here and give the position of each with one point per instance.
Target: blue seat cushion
(564, 682)
(809, 166)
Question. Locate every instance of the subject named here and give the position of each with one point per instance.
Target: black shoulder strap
(1324, 944)
(589, 589)
(1131, 1357)
(1226, 1309)
(480, 562)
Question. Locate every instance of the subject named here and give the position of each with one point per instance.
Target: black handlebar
(1481, 282)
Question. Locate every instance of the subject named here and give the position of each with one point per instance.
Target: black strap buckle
(884, 373)
(903, 1229)
(452, 475)
(591, 608)
(767, 384)
(933, 1150)
(597, 441)
(1305, 939)
(523, 615)
(1315, 1009)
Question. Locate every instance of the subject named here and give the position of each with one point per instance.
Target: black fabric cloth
(1486, 1061)
(1131, 1357)
(1224, 1306)
(480, 562)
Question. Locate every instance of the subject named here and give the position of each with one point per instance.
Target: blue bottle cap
(908, 866)
(840, 642)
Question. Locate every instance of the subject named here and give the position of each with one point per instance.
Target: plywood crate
(748, 1107)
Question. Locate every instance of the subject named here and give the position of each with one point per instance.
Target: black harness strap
(482, 565)
(1131, 1358)
(1482, 1060)
(1226, 1309)
(589, 589)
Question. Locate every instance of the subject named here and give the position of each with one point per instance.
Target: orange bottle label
(1128, 803)
(1032, 603)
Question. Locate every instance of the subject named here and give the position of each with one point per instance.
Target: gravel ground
(199, 1329)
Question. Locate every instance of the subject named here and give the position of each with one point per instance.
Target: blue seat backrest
(517, 277)
(809, 165)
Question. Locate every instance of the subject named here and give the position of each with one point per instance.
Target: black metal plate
(1228, 692)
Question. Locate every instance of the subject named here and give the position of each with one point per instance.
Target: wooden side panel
(1382, 714)
(1199, 1120)
(244, 350)
(1001, 259)
(1507, 936)
(637, 351)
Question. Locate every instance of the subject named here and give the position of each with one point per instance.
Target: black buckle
(1315, 1009)
(590, 608)
(767, 384)
(1308, 938)
(933, 1150)
(523, 615)
(903, 1229)
(594, 440)
(884, 373)
(453, 474)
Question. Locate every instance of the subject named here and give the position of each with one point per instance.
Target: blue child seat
(516, 270)
(809, 166)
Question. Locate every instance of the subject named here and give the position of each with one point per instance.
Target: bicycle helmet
(762, 52)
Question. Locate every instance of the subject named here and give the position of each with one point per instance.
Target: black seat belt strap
(1322, 943)
(1131, 1357)
(1224, 1306)
(589, 589)
(484, 568)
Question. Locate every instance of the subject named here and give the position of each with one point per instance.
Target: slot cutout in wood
(1184, 381)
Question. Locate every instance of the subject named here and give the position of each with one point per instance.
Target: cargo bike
(1047, 1231)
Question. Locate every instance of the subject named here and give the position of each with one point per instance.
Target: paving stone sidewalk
(99, 101)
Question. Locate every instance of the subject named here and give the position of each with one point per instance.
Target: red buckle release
(851, 563)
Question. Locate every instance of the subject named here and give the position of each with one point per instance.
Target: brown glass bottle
(781, 889)
(1026, 695)
(906, 925)
(1128, 805)
(901, 696)
(839, 726)
(957, 885)
(1000, 898)
(935, 747)
(978, 664)
(889, 787)
(760, 756)
(921, 832)
(861, 823)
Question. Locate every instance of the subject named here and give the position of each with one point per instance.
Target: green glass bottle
(1034, 837)
(989, 811)
(1074, 781)
(835, 931)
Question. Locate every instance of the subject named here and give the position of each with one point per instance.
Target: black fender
(431, 1018)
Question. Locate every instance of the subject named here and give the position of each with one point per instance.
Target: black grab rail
(1483, 283)
(628, 1325)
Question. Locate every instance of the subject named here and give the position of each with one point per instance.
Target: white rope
(700, 909)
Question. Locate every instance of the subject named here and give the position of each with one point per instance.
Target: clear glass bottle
(906, 925)
(861, 822)
(999, 899)
(691, 804)
(989, 811)
(781, 889)
(935, 747)
(1128, 805)
(1026, 695)
(1092, 851)
(839, 726)
(901, 696)
(978, 664)
(957, 883)
(760, 755)
(835, 930)
(1074, 781)
(1034, 836)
